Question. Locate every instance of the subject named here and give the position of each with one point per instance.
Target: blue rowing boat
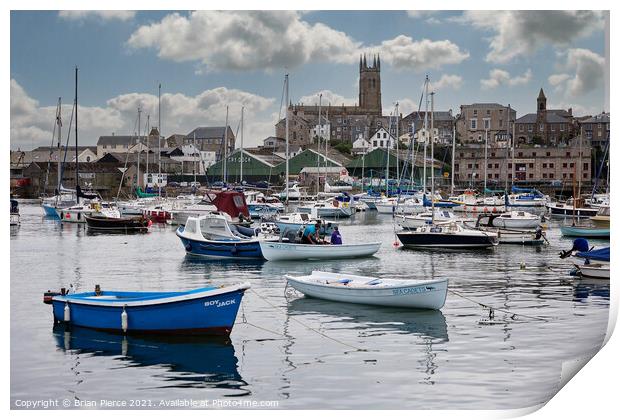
(209, 310)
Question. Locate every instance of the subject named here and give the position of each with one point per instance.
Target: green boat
(141, 194)
(584, 231)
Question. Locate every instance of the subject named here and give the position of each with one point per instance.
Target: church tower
(541, 102)
(370, 85)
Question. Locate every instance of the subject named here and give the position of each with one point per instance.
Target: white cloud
(589, 71)
(406, 106)
(403, 52)
(448, 81)
(520, 33)
(244, 40)
(32, 123)
(499, 77)
(420, 13)
(329, 97)
(268, 40)
(123, 15)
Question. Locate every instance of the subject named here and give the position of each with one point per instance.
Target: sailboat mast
(148, 123)
(318, 151)
(387, 167)
(286, 129)
(397, 149)
(514, 140)
(195, 158)
(425, 132)
(159, 139)
(486, 149)
(241, 164)
(432, 158)
(77, 171)
(453, 157)
(508, 138)
(59, 124)
(138, 143)
(225, 147)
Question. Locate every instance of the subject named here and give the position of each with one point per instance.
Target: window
(531, 176)
(476, 166)
(551, 165)
(497, 166)
(585, 166)
(542, 127)
(521, 128)
(501, 123)
(548, 154)
(88, 160)
(488, 112)
(533, 154)
(567, 154)
(544, 165)
(561, 127)
(473, 123)
(572, 164)
(552, 127)
(585, 174)
(565, 165)
(520, 154)
(487, 123)
(475, 112)
(531, 165)
(385, 135)
(469, 166)
(489, 166)
(530, 127)
(510, 166)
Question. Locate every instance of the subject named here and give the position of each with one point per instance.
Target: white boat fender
(124, 320)
(67, 313)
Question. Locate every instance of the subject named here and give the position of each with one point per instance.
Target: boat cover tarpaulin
(601, 254)
(231, 202)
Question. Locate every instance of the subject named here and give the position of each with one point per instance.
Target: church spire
(364, 60)
(541, 94)
(374, 61)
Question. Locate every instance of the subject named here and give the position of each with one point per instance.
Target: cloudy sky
(206, 60)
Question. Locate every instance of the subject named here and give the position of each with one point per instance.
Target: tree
(344, 148)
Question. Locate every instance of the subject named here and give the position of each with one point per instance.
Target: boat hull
(439, 240)
(282, 251)
(50, 211)
(212, 312)
(285, 226)
(569, 211)
(72, 216)
(428, 295)
(223, 249)
(399, 208)
(597, 271)
(584, 232)
(123, 224)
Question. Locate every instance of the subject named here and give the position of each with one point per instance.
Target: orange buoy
(494, 209)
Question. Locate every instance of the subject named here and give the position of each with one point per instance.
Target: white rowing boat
(594, 270)
(348, 288)
(280, 251)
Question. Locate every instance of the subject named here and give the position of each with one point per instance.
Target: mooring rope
(493, 309)
(306, 325)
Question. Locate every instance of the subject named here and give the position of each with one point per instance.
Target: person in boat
(311, 234)
(97, 290)
(336, 239)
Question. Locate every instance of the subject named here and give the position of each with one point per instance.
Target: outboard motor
(579, 244)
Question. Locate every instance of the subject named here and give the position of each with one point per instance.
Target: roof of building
(600, 118)
(484, 105)
(438, 116)
(209, 133)
(533, 118)
(118, 140)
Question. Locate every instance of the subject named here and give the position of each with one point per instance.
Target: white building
(195, 159)
(360, 145)
(382, 139)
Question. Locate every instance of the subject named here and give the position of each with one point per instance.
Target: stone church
(343, 123)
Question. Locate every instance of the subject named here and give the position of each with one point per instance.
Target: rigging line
(64, 157)
(49, 158)
(125, 167)
(307, 326)
(514, 314)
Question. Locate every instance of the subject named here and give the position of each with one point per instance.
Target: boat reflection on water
(585, 288)
(375, 320)
(194, 361)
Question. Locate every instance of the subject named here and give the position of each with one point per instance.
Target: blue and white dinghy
(209, 310)
(342, 287)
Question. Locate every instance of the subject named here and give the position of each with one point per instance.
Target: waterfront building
(596, 129)
(478, 120)
(443, 123)
(211, 139)
(546, 126)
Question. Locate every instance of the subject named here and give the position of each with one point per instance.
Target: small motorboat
(331, 208)
(211, 235)
(395, 205)
(281, 251)
(118, 224)
(75, 214)
(569, 210)
(14, 221)
(594, 270)
(449, 235)
(512, 220)
(179, 216)
(348, 288)
(585, 231)
(425, 218)
(602, 217)
(510, 236)
(208, 310)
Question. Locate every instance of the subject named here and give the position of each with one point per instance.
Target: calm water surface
(450, 359)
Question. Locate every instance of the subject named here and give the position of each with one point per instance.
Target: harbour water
(354, 356)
